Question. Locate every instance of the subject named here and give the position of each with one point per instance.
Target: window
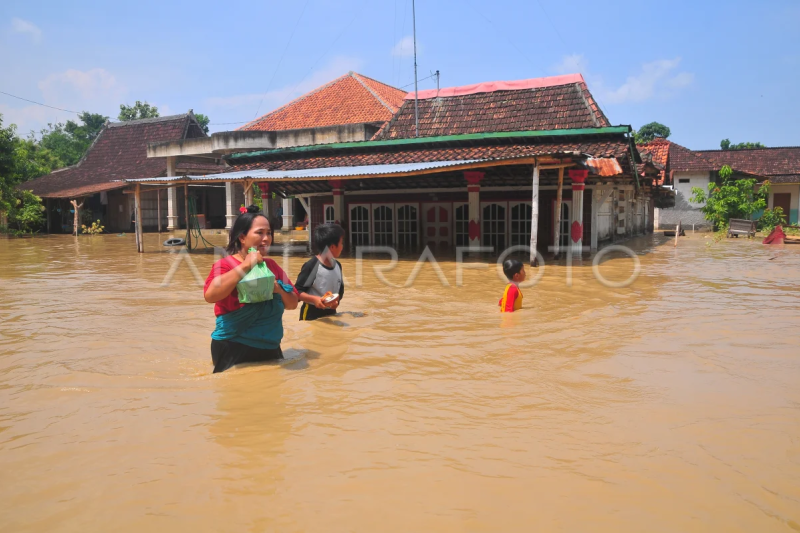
(684, 180)
(407, 226)
(494, 226)
(383, 225)
(521, 224)
(329, 217)
(462, 225)
(359, 225)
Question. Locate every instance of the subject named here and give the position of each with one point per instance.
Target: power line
(39, 103)
(423, 79)
(285, 49)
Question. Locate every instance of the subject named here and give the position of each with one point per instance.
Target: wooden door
(784, 201)
(437, 223)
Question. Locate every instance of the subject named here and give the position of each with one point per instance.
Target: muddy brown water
(669, 405)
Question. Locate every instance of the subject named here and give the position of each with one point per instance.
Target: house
(493, 165)
(120, 152)
(684, 169)
(781, 166)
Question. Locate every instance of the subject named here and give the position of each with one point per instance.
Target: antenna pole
(416, 87)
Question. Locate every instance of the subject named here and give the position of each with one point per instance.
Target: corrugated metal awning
(323, 173)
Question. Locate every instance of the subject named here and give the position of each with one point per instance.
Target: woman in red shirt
(247, 333)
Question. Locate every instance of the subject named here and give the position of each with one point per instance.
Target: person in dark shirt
(322, 274)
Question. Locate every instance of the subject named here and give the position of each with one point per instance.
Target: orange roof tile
(350, 99)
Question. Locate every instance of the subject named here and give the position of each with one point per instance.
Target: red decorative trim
(474, 230)
(578, 176)
(474, 177)
(491, 86)
(264, 188)
(578, 187)
(336, 184)
(473, 188)
(576, 231)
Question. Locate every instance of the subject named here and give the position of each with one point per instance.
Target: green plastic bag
(257, 285)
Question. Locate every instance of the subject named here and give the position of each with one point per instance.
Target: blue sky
(707, 69)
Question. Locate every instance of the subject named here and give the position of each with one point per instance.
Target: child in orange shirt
(512, 296)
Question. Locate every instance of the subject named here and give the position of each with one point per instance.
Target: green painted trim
(433, 140)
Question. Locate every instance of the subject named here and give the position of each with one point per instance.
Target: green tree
(69, 141)
(725, 144)
(21, 160)
(203, 121)
(650, 132)
(137, 111)
(730, 198)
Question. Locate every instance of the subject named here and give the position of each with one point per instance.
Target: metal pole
(416, 88)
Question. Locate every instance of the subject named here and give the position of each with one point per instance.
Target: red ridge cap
(492, 86)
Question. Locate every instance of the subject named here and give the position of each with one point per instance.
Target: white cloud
(23, 26)
(95, 90)
(243, 106)
(93, 84)
(405, 47)
(572, 64)
(657, 79)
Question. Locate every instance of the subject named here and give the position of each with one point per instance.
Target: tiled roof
(119, 152)
(350, 99)
(781, 165)
(548, 107)
(682, 159)
(599, 149)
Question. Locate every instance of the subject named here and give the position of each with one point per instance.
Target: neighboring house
(781, 166)
(484, 168)
(682, 169)
(120, 152)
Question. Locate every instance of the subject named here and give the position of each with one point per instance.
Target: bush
(730, 198)
(94, 229)
(770, 219)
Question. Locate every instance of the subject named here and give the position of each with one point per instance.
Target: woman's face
(259, 236)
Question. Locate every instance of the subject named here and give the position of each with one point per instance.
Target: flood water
(669, 405)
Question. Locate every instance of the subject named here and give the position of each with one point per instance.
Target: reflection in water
(668, 405)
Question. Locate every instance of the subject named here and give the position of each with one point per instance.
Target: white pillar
(656, 216)
(265, 195)
(172, 198)
(474, 179)
(338, 201)
(576, 228)
(230, 209)
(288, 213)
(535, 214)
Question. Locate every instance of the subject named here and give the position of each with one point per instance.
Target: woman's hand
(251, 260)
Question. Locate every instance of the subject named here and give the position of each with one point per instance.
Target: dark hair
(511, 267)
(327, 235)
(241, 226)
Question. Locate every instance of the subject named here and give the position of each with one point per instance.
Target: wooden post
(137, 197)
(678, 229)
(186, 208)
(557, 244)
(76, 221)
(158, 208)
(48, 208)
(535, 214)
(596, 195)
